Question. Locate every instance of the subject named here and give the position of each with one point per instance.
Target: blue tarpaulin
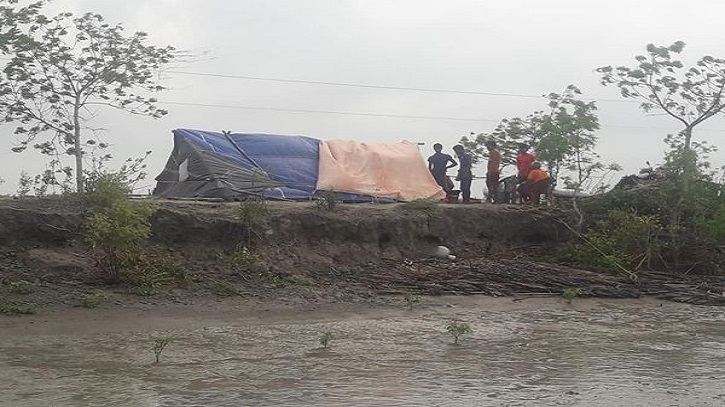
(290, 160)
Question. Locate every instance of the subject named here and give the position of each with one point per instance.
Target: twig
(58, 227)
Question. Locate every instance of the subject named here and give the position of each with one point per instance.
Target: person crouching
(537, 182)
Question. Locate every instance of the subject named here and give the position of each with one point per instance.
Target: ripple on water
(610, 352)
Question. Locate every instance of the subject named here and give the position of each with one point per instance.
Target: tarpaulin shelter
(237, 166)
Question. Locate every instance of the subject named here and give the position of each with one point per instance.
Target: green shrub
(714, 225)
(623, 239)
(326, 338)
(458, 329)
(92, 300)
(328, 202)
(21, 287)
(569, 294)
(242, 256)
(224, 289)
(253, 213)
(118, 235)
(105, 190)
(25, 309)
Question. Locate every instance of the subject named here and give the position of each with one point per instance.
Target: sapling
(159, 345)
(411, 299)
(326, 338)
(457, 329)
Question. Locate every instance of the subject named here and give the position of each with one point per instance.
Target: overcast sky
(510, 47)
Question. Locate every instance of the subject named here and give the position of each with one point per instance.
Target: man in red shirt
(524, 159)
(523, 162)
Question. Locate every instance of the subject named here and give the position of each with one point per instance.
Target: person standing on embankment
(438, 165)
(465, 175)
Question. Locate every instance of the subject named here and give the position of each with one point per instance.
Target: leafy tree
(689, 95)
(562, 136)
(63, 68)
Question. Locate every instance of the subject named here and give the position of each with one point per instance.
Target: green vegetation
(647, 229)
(253, 215)
(242, 256)
(326, 339)
(24, 309)
(328, 202)
(91, 300)
(570, 294)
(411, 299)
(427, 206)
(118, 232)
(690, 95)
(563, 136)
(458, 329)
(68, 66)
(160, 344)
(224, 289)
(21, 287)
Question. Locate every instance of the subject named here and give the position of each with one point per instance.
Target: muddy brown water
(527, 352)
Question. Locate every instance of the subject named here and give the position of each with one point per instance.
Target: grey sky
(517, 47)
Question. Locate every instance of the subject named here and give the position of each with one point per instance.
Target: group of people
(531, 180)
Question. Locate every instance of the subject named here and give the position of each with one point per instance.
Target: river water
(521, 352)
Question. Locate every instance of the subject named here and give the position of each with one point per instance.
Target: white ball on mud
(442, 251)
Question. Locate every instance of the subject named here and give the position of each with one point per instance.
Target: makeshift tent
(237, 166)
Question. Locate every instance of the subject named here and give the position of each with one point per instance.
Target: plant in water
(570, 294)
(21, 287)
(457, 329)
(411, 299)
(160, 344)
(326, 338)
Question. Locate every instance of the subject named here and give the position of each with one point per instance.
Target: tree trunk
(77, 145)
(688, 137)
(689, 168)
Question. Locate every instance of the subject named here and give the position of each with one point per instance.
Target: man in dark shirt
(465, 176)
(438, 165)
(493, 171)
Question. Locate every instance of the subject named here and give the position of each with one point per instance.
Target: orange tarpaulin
(385, 170)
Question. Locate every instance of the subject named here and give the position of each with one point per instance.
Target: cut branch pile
(509, 277)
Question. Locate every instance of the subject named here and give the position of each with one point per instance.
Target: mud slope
(364, 249)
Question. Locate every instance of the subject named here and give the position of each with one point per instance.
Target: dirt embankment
(301, 253)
